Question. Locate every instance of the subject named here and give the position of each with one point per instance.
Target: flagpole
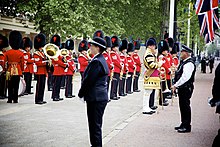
(188, 34)
(171, 23)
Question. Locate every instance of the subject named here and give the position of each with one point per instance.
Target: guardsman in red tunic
(40, 69)
(69, 45)
(14, 65)
(60, 64)
(123, 49)
(28, 64)
(3, 45)
(83, 59)
(163, 53)
(117, 68)
(108, 58)
(137, 62)
(131, 68)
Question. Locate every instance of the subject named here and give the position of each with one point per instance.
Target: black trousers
(114, 85)
(50, 80)
(27, 79)
(135, 83)
(108, 82)
(56, 86)
(122, 85)
(184, 104)
(13, 85)
(82, 77)
(63, 82)
(95, 111)
(151, 101)
(69, 86)
(2, 85)
(129, 82)
(40, 86)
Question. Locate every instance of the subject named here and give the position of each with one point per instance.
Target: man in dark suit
(94, 90)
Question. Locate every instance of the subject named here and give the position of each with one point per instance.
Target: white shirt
(188, 69)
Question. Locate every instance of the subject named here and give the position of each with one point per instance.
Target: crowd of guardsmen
(121, 56)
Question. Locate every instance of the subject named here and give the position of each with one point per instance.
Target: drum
(22, 87)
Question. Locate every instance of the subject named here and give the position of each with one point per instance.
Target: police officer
(184, 79)
(94, 90)
(15, 65)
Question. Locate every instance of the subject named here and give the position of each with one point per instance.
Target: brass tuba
(51, 51)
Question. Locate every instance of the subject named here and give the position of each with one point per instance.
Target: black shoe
(150, 113)
(184, 130)
(125, 94)
(122, 95)
(56, 99)
(153, 107)
(60, 99)
(15, 101)
(30, 93)
(32, 86)
(129, 92)
(69, 96)
(114, 98)
(179, 127)
(164, 104)
(73, 96)
(40, 103)
(137, 90)
(9, 101)
(44, 102)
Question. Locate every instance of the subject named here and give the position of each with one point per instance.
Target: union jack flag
(207, 11)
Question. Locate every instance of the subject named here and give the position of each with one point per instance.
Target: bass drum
(22, 87)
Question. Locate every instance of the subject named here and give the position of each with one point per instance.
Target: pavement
(64, 123)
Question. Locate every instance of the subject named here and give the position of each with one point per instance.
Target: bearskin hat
(162, 46)
(130, 47)
(3, 42)
(83, 46)
(39, 41)
(175, 48)
(137, 45)
(27, 42)
(55, 40)
(115, 41)
(123, 45)
(170, 42)
(99, 33)
(151, 41)
(108, 41)
(15, 39)
(69, 44)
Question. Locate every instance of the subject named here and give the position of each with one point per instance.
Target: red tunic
(125, 62)
(175, 61)
(2, 60)
(71, 66)
(59, 66)
(28, 62)
(15, 58)
(137, 61)
(116, 61)
(166, 65)
(83, 61)
(109, 62)
(131, 64)
(39, 61)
